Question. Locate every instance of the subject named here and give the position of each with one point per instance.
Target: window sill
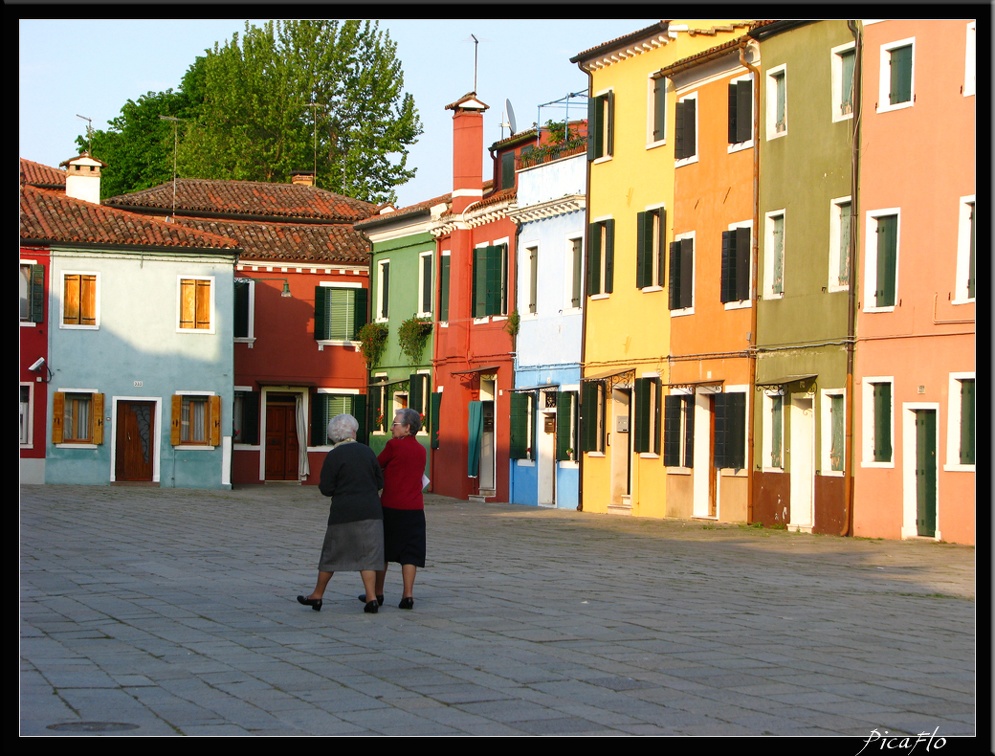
(70, 327)
(202, 331)
(958, 467)
(651, 289)
(76, 446)
(525, 463)
(772, 135)
(831, 473)
(239, 446)
(679, 471)
(27, 324)
(602, 159)
(599, 296)
(886, 308)
(880, 465)
(740, 146)
(654, 145)
(336, 342)
(684, 312)
(250, 340)
(770, 296)
(686, 161)
(741, 304)
(194, 447)
(836, 288)
(841, 118)
(595, 454)
(896, 106)
(648, 455)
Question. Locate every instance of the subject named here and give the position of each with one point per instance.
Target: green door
(926, 472)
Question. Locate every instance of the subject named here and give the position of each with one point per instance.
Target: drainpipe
(851, 316)
(583, 316)
(755, 252)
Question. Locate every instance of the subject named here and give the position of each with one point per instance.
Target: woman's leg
(408, 578)
(381, 577)
(369, 581)
(319, 588)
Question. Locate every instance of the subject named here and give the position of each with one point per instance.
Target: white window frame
(72, 444)
(826, 463)
(884, 79)
(651, 111)
(206, 395)
(575, 262)
(694, 272)
(769, 395)
(322, 343)
(778, 73)
(179, 304)
(836, 64)
(381, 303)
(607, 116)
(26, 290)
(970, 60)
(250, 337)
(870, 263)
(509, 300)
(238, 413)
(835, 241)
(867, 421)
(525, 295)
(96, 301)
(26, 414)
(602, 224)
(697, 145)
(770, 220)
(737, 146)
(438, 284)
(659, 251)
(964, 207)
(423, 311)
(954, 419)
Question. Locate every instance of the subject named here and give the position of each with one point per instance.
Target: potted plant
(372, 340)
(412, 335)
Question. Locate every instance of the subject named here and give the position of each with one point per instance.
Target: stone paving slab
(147, 612)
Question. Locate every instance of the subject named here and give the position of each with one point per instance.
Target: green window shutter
(659, 109)
(777, 285)
(740, 111)
(847, 60)
(887, 260)
(641, 437)
(321, 296)
(610, 123)
(416, 392)
(780, 103)
(846, 219)
(728, 284)
(589, 440)
(519, 442)
(533, 279)
(672, 406)
(595, 128)
(594, 259)
(970, 259)
(967, 424)
(444, 288)
(882, 422)
(609, 254)
(495, 281)
(241, 309)
(901, 74)
(384, 290)
(689, 431)
(684, 123)
(319, 420)
(359, 297)
(36, 294)
(250, 417)
(564, 424)
(644, 251)
(480, 282)
(838, 426)
(434, 418)
(720, 450)
(737, 429)
(776, 431)
(742, 284)
(507, 170)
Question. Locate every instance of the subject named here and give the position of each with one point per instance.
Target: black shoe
(313, 603)
(362, 597)
(372, 607)
(406, 603)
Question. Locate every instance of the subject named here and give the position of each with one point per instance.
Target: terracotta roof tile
(50, 216)
(288, 242)
(36, 174)
(404, 212)
(247, 200)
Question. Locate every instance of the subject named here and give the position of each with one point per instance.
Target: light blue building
(141, 347)
(550, 296)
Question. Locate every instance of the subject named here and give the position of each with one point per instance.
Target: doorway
(488, 445)
(282, 447)
(621, 451)
(547, 453)
(925, 424)
(134, 452)
(801, 433)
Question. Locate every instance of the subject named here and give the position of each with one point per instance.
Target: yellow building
(631, 160)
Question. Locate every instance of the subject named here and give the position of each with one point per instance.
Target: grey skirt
(353, 546)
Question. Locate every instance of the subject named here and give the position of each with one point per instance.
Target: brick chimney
(83, 178)
(468, 150)
(302, 178)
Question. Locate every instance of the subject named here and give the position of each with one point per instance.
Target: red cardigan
(403, 463)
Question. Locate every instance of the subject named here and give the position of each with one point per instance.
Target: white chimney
(83, 178)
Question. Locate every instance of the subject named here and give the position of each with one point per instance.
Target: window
(490, 280)
(425, 284)
(245, 417)
(647, 415)
(882, 259)
(833, 432)
(730, 431)
(843, 59)
(196, 303)
(532, 254)
(965, 286)
(576, 269)
(566, 425)
(196, 420)
(592, 416)
(777, 102)
(326, 405)
(896, 87)
(444, 287)
(601, 257)
(339, 313)
(507, 170)
(601, 126)
(686, 124)
(878, 423)
(32, 291)
(378, 399)
(840, 228)
(79, 300)
(650, 230)
(383, 289)
(245, 294)
(24, 413)
(774, 255)
(773, 437)
(736, 264)
(678, 430)
(970, 60)
(419, 391)
(657, 110)
(961, 433)
(522, 439)
(682, 273)
(740, 111)
(77, 417)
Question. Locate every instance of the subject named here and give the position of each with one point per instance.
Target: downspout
(851, 315)
(583, 317)
(369, 319)
(755, 252)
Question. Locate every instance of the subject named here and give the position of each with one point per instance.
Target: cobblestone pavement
(172, 612)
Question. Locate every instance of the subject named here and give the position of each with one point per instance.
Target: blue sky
(91, 67)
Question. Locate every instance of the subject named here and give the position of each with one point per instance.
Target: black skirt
(404, 536)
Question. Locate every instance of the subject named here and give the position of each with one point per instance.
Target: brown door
(135, 441)
(281, 441)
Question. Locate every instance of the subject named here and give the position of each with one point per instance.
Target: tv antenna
(176, 123)
(509, 119)
(89, 132)
(314, 113)
(475, 43)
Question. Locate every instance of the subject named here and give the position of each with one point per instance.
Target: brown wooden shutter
(174, 425)
(98, 418)
(58, 411)
(215, 421)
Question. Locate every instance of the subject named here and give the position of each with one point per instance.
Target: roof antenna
(89, 132)
(475, 43)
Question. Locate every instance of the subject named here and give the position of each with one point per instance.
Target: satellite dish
(510, 114)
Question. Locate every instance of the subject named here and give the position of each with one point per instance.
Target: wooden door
(281, 441)
(135, 441)
(925, 472)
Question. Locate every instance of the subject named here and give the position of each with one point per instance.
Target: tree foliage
(319, 95)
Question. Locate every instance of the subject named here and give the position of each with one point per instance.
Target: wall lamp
(36, 367)
(286, 284)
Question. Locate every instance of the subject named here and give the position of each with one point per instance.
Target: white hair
(342, 427)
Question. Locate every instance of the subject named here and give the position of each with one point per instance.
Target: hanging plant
(514, 322)
(373, 339)
(412, 335)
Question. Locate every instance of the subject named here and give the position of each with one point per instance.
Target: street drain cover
(92, 726)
